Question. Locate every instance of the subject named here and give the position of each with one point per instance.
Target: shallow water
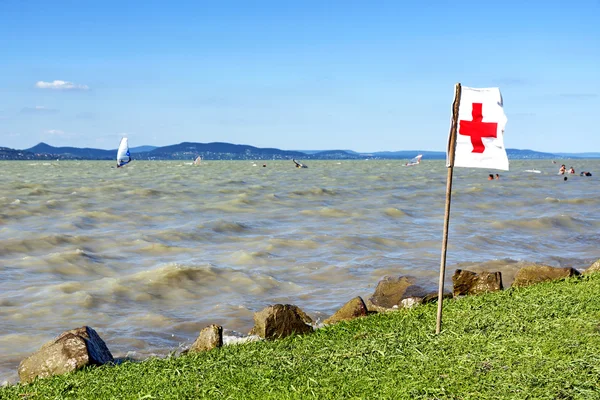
(151, 253)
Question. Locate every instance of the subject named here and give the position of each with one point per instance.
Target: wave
(394, 212)
(562, 222)
(373, 242)
(175, 280)
(43, 243)
(167, 237)
(256, 257)
(72, 263)
(160, 249)
(276, 244)
(144, 192)
(226, 226)
(590, 201)
(38, 191)
(316, 192)
(328, 212)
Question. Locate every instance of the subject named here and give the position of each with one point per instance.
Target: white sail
(415, 160)
(123, 155)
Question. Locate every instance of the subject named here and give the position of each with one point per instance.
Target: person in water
(497, 176)
(299, 165)
(571, 170)
(585, 173)
(562, 169)
(120, 163)
(490, 177)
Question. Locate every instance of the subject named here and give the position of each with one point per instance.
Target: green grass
(540, 342)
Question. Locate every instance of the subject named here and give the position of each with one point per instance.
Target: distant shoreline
(229, 151)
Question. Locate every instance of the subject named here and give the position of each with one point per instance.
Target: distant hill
(139, 149)
(73, 152)
(441, 155)
(229, 151)
(217, 151)
(579, 155)
(12, 154)
(323, 151)
(408, 154)
(529, 154)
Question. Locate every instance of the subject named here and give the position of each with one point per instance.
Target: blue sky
(357, 75)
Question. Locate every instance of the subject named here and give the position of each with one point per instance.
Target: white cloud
(38, 110)
(60, 85)
(56, 132)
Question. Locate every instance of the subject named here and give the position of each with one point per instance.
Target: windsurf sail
(123, 155)
(198, 160)
(299, 165)
(414, 161)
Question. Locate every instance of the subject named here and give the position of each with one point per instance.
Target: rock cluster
(77, 348)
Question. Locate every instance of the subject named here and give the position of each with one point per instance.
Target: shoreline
(492, 337)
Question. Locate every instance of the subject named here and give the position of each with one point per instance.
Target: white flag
(480, 130)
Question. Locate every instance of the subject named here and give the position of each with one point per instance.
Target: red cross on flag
(480, 131)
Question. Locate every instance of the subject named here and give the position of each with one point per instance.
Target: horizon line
(302, 151)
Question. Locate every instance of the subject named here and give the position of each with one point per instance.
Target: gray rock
(433, 297)
(71, 351)
(355, 308)
(390, 292)
(209, 338)
(469, 283)
(281, 320)
(536, 273)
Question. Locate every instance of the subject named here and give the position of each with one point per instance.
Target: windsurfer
(299, 165)
(121, 162)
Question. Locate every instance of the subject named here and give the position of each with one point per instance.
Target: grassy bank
(541, 342)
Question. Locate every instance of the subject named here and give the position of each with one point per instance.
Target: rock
(469, 283)
(390, 292)
(208, 339)
(595, 267)
(410, 302)
(71, 351)
(281, 320)
(433, 297)
(353, 309)
(533, 274)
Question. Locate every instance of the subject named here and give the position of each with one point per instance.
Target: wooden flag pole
(451, 153)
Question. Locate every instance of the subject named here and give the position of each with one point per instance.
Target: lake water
(150, 254)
